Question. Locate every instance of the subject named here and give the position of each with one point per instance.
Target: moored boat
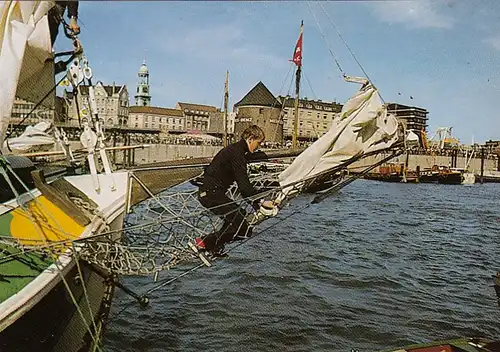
(46, 289)
(453, 345)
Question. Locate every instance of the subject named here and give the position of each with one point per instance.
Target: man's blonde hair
(254, 132)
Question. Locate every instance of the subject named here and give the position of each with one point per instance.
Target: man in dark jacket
(228, 166)
(56, 14)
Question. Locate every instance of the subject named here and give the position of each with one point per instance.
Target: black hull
(54, 323)
(428, 178)
(488, 179)
(385, 178)
(450, 179)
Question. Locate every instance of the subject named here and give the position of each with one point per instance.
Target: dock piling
(482, 166)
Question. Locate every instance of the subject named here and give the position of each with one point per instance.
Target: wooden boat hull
(385, 177)
(454, 178)
(428, 178)
(54, 323)
(52, 307)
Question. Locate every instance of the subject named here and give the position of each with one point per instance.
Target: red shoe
(199, 243)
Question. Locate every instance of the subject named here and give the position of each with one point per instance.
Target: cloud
(416, 14)
(219, 42)
(198, 59)
(493, 42)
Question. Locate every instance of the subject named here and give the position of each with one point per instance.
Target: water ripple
(377, 266)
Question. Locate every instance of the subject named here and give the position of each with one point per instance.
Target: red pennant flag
(297, 54)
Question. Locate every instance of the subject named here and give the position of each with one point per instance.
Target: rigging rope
(344, 42)
(324, 37)
(38, 228)
(151, 247)
(34, 108)
(340, 183)
(309, 84)
(349, 49)
(282, 103)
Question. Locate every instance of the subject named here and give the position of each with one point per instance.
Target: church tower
(143, 98)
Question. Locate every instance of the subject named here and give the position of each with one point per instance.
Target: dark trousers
(235, 225)
(54, 22)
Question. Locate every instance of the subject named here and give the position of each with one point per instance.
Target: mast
(226, 99)
(297, 59)
(296, 116)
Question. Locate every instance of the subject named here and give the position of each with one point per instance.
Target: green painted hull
(55, 324)
(19, 270)
(454, 345)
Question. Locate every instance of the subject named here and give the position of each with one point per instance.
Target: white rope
(324, 37)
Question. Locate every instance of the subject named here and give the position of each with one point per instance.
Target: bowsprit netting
(155, 236)
(158, 231)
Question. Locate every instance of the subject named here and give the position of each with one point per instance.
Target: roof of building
(315, 104)
(84, 90)
(397, 106)
(259, 96)
(198, 107)
(154, 110)
(144, 68)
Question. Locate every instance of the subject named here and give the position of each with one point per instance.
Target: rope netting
(159, 233)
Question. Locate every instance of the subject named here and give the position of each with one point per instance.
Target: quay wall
(427, 161)
(164, 152)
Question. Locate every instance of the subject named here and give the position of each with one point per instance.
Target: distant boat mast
(226, 99)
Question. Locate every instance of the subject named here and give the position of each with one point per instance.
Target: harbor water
(376, 266)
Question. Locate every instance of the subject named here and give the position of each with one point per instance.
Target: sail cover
(363, 126)
(24, 49)
(34, 138)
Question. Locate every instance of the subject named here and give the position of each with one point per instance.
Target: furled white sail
(34, 138)
(364, 126)
(24, 49)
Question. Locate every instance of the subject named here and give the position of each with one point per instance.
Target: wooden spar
(60, 152)
(140, 146)
(226, 100)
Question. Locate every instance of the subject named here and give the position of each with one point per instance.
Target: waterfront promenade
(164, 152)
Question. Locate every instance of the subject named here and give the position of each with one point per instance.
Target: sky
(441, 55)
